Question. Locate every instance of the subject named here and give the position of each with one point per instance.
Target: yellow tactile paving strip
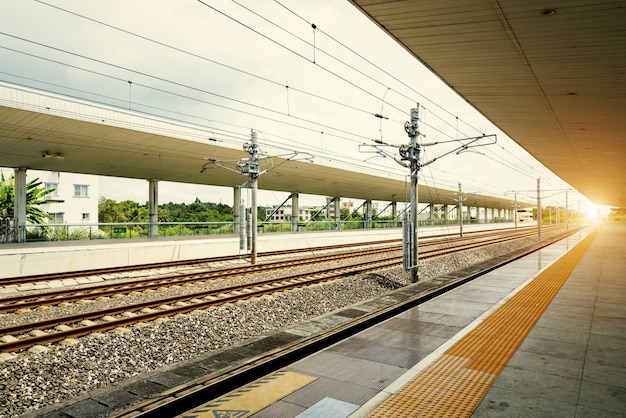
(455, 383)
(254, 397)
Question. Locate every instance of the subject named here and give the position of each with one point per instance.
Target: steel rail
(291, 282)
(220, 296)
(192, 262)
(54, 297)
(34, 300)
(176, 263)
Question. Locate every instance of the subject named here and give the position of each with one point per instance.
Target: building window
(54, 191)
(85, 216)
(57, 218)
(81, 190)
(53, 187)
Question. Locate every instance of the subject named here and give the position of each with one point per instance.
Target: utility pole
(566, 212)
(539, 208)
(460, 211)
(411, 153)
(515, 208)
(410, 158)
(251, 167)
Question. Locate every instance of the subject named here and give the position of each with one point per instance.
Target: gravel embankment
(36, 379)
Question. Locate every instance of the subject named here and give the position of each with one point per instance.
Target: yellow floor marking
(455, 383)
(254, 397)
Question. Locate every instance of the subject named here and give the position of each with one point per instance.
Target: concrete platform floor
(573, 362)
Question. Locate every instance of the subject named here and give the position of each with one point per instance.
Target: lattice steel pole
(539, 214)
(411, 153)
(460, 211)
(251, 168)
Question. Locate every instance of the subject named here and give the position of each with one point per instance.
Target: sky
(307, 76)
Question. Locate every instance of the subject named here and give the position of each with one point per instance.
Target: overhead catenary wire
(245, 72)
(253, 74)
(318, 65)
(352, 67)
(379, 68)
(212, 61)
(123, 80)
(326, 128)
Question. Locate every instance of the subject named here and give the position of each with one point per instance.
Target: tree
(109, 211)
(6, 198)
(35, 196)
(134, 212)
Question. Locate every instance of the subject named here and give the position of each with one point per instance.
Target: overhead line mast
(411, 153)
(251, 167)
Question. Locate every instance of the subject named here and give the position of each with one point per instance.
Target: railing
(7, 230)
(69, 232)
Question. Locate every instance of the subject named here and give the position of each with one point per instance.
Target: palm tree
(35, 196)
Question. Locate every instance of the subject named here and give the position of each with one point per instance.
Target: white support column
(337, 212)
(295, 212)
(394, 211)
(539, 220)
(368, 214)
(445, 214)
(153, 208)
(431, 215)
(566, 212)
(236, 208)
(328, 213)
(19, 203)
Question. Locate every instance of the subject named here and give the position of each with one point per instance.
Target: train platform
(543, 336)
(36, 258)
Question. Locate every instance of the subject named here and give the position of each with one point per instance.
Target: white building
(78, 195)
(284, 214)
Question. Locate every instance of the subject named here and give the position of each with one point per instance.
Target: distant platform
(33, 258)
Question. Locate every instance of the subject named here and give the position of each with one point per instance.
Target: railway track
(207, 262)
(21, 336)
(179, 264)
(39, 299)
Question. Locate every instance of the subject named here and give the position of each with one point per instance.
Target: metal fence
(68, 232)
(8, 232)
(103, 231)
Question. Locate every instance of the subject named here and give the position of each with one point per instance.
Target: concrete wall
(53, 257)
